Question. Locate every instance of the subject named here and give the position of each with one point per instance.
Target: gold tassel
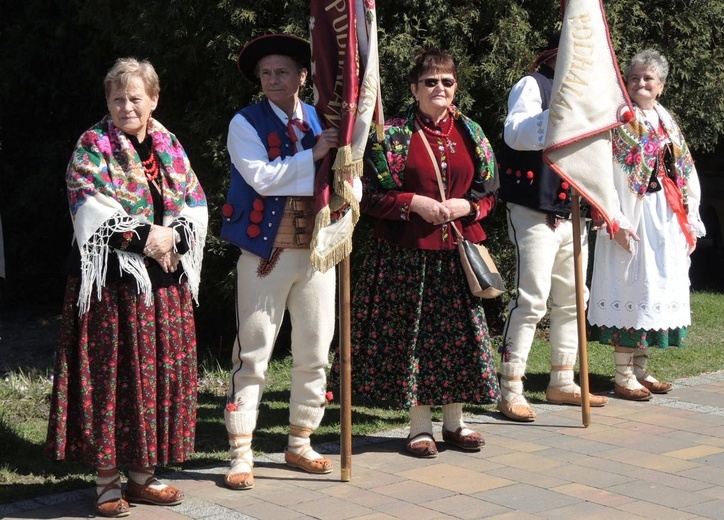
(343, 158)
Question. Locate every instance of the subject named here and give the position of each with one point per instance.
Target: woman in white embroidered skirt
(124, 389)
(640, 286)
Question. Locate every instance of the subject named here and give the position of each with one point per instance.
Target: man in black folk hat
(540, 227)
(275, 148)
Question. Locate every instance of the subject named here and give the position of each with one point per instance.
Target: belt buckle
(300, 239)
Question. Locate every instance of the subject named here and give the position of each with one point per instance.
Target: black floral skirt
(419, 337)
(124, 388)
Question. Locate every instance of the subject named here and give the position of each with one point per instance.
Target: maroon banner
(336, 80)
(335, 69)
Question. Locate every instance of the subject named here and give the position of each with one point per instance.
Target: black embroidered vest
(525, 179)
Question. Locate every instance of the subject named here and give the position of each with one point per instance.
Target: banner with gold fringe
(345, 76)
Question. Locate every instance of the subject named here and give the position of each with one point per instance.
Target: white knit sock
(452, 416)
(511, 382)
(240, 426)
(561, 377)
(420, 420)
(303, 420)
(640, 363)
(624, 369)
(140, 478)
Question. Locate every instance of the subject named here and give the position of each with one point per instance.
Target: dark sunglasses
(432, 82)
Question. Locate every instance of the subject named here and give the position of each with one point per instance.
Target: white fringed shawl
(108, 193)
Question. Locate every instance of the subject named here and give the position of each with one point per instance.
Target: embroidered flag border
(589, 99)
(344, 39)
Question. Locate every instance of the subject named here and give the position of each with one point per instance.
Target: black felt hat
(553, 41)
(284, 44)
(550, 51)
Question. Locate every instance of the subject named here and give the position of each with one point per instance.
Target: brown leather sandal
(471, 442)
(114, 508)
(168, 496)
(422, 448)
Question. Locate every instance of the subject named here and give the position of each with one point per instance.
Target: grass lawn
(24, 400)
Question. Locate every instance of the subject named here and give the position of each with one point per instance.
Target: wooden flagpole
(345, 362)
(580, 309)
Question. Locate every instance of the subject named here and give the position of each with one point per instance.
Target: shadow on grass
(538, 382)
(34, 473)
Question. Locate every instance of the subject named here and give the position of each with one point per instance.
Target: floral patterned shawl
(390, 155)
(636, 147)
(108, 193)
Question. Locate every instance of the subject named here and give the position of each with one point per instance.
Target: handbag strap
(437, 172)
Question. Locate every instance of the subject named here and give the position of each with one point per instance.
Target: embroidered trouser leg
(544, 268)
(310, 298)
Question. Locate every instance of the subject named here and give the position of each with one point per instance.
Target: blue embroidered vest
(525, 178)
(251, 221)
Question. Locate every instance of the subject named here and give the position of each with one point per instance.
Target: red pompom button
(253, 231)
(227, 211)
(256, 217)
(626, 116)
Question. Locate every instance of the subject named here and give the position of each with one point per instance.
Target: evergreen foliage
(54, 55)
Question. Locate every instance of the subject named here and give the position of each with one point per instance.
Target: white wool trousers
(309, 296)
(544, 269)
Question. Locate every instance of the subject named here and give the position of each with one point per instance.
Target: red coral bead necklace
(150, 167)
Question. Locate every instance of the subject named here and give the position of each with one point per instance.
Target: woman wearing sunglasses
(419, 337)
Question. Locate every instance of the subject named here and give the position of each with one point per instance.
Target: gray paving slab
(662, 459)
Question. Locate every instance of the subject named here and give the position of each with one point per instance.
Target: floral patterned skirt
(418, 335)
(124, 389)
(640, 338)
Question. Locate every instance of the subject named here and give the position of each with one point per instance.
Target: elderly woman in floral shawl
(125, 372)
(640, 286)
(420, 337)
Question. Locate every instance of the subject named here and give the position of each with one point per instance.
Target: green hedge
(53, 56)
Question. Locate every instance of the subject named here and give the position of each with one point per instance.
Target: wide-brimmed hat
(284, 44)
(549, 52)
(553, 41)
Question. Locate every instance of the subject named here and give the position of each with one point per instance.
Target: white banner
(589, 98)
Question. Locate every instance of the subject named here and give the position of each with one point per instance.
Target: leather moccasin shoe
(656, 387)
(559, 397)
(420, 447)
(641, 394)
(516, 412)
(318, 466)
(242, 480)
(168, 496)
(471, 442)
